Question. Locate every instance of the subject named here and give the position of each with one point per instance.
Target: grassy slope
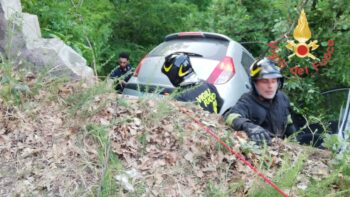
(67, 139)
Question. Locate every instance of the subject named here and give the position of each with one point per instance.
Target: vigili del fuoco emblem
(302, 34)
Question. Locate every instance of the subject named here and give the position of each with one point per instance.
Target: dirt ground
(47, 151)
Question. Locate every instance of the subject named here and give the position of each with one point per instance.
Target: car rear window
(207, 48)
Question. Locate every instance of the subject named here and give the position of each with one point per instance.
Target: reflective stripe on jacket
(204, 94)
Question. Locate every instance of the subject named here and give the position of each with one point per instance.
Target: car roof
(185, 35)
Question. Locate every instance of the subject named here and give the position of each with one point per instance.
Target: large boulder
(21, 41)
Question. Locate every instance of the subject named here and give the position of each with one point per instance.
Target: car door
(344, 129)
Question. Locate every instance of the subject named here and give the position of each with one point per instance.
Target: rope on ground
(239, 156)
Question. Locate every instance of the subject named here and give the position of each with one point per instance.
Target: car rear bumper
(141, 89)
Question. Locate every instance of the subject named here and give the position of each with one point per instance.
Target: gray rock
(21, 41)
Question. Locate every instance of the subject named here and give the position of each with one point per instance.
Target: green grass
(142, 137)
(13, 91)
(214, 190)
(21, 84)
(81, 102)
(180, 132)
(227, 139)
(109, 162)
(317, 187)
(156, 110)
(285, 178)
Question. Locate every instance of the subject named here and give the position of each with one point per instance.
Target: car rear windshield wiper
(189, 54)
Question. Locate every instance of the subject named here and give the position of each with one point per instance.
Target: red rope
(239, 156)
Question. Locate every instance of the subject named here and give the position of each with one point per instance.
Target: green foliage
(318, 187)
(285, 178)
(340, 167)
(14, 89)
(338, 178)
(226, 17)
(140, 25)
(288, 173)
(303, 92)
(331, 142)
(85, 25)
(337, 14)
(11, 89)
(147, 22)
(102, 29)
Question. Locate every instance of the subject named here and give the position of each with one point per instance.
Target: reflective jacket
(204, 94)
(273, 115)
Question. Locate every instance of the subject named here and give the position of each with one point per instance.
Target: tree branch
(300, 7)
(285, 35)
(313, 7)
(93, 55)
(250, 31)
(342, 30)
(253, 42)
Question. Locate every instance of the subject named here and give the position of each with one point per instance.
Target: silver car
(215, 58)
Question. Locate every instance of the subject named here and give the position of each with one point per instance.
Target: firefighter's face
(267, 88)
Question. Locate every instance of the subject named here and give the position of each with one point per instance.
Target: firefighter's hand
(258, 134)
(122, 82)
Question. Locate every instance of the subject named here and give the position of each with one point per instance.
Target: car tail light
(137, 70)
(191, 34)
(223, 72)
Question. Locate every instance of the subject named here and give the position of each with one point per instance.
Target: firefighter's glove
(257, 133)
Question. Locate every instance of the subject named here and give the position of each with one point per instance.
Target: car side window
(246, 61)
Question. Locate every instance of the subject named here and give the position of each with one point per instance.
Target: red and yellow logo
(302, 34)
(302, 48)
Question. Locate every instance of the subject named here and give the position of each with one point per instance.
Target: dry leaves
(46, 152)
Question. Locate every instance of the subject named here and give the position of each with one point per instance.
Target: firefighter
(177, 67)
(264, 112)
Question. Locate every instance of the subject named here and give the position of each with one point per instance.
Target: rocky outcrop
(21, 42)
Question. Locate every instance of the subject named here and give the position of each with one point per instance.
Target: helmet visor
(265, 69)
(270, 76)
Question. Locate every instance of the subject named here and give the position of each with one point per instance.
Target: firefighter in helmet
(177, 67)
(264, 112)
